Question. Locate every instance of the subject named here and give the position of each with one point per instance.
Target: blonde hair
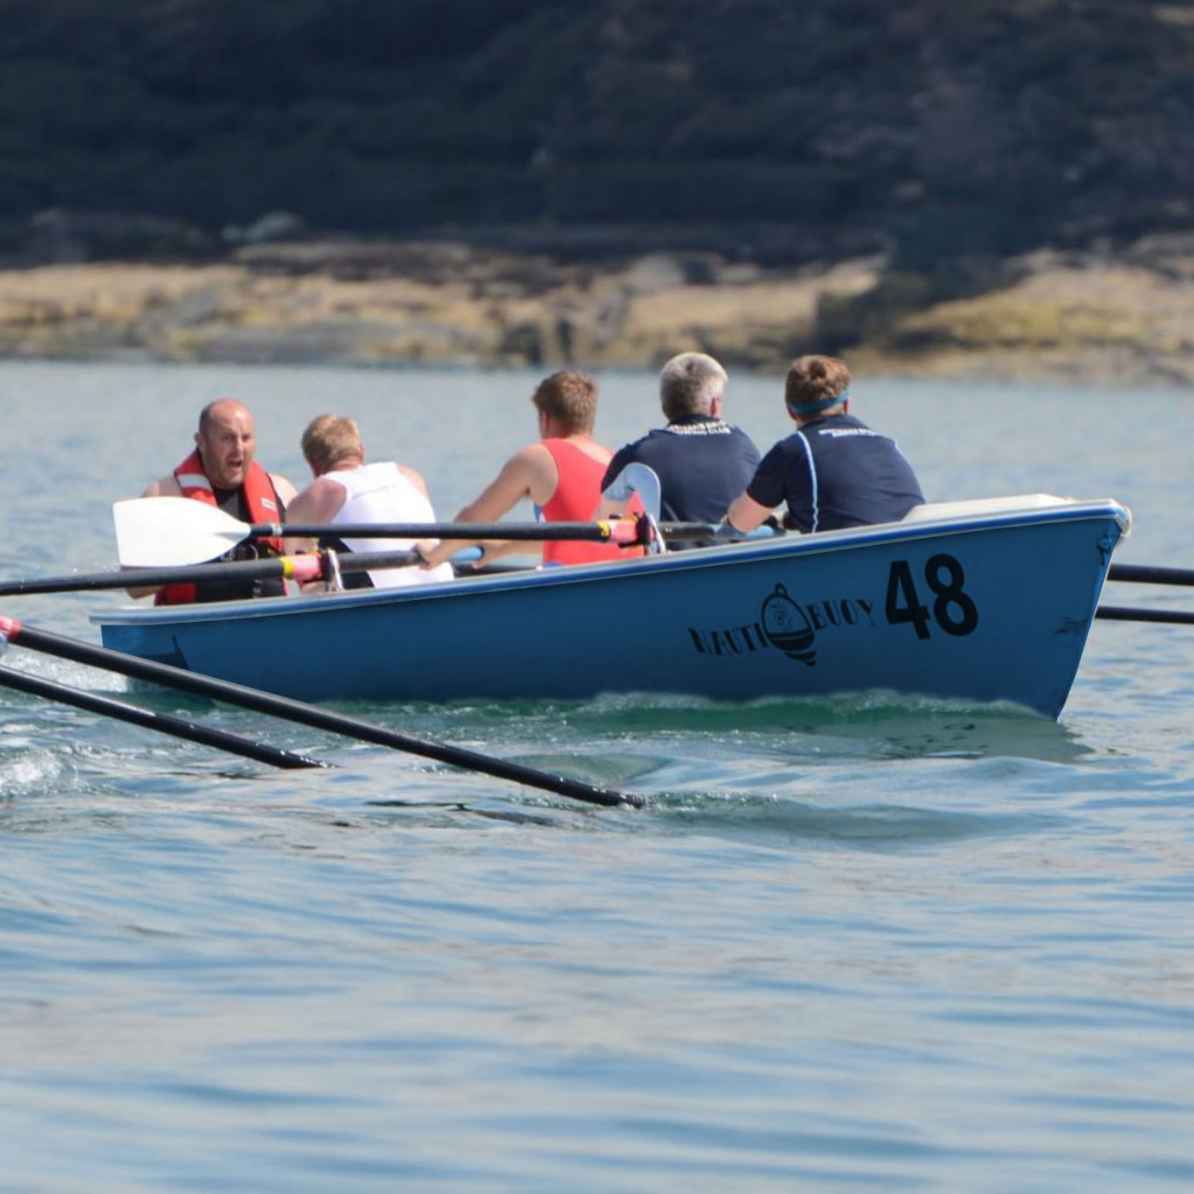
(813, 381)
(328, 439)
(689, 384)
(569, 399)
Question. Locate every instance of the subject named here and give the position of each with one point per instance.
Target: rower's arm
(320, 502)
(524, 475)
(745, 513)
(530, 473)
(163, 487)
(416, 479)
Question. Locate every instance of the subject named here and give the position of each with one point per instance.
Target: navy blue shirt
(836, 472)
(703, 464)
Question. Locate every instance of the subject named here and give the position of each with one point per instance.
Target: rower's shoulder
(416, 478)
(319, 502)
(529, 464)
(163, 487)
(285, 490)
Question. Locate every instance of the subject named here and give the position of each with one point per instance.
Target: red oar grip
(302, 568)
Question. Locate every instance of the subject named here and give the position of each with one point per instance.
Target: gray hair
(689, 384)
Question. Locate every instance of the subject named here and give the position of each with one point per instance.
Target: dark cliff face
(934, 129)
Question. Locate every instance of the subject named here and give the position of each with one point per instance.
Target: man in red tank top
(561, 474)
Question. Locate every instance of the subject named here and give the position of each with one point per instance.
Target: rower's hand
(491, 549)
(474, 556)
(435, 551)
(726, 532)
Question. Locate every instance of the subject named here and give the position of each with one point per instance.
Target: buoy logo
(786, 625)
(788, 628)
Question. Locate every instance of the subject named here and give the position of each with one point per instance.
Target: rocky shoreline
(1100, 316)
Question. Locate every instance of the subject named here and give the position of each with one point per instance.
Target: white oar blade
(641, 479)
(161, 532)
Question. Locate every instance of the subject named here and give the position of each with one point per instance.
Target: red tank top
(577, 495)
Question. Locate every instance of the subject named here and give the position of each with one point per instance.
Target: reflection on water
(759, 750)
(886, 826)
(872, 725)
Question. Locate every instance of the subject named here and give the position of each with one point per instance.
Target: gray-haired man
(703, 463)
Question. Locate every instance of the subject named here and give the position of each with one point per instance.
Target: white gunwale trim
(790, 546)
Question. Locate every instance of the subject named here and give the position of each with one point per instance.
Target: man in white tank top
(347, 490)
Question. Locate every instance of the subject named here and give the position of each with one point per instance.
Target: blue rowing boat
(980, 601)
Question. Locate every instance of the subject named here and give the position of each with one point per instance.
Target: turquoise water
(863, 944)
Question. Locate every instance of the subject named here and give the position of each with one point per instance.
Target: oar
(1147, 574)
(298, 568)
(164, 723)
(638, 478)
(304, 714)
(163, 532)
(1124, 613)
(156, 532)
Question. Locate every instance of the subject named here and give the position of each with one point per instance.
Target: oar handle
(693, 530)
(366, 561)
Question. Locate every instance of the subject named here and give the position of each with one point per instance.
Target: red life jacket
(260, 496)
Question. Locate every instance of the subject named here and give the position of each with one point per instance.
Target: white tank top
(380, 493)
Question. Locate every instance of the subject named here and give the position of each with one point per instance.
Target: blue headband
(812, 408)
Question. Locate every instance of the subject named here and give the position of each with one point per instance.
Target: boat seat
(969, 509)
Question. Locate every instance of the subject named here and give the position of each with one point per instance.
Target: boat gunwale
(695, 559)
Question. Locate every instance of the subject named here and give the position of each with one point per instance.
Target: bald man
(222, 472)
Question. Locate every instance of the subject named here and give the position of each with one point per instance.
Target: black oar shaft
(1147, 574)
(538, 532)
(690, 530)
(1122, 613)
(230, 571)
(585, 531)
(242, 570)
(362, 561)
(163, 723)
(304, 714)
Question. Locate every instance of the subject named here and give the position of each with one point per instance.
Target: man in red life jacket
(221, 471)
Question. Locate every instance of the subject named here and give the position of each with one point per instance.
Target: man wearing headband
(834, 471)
